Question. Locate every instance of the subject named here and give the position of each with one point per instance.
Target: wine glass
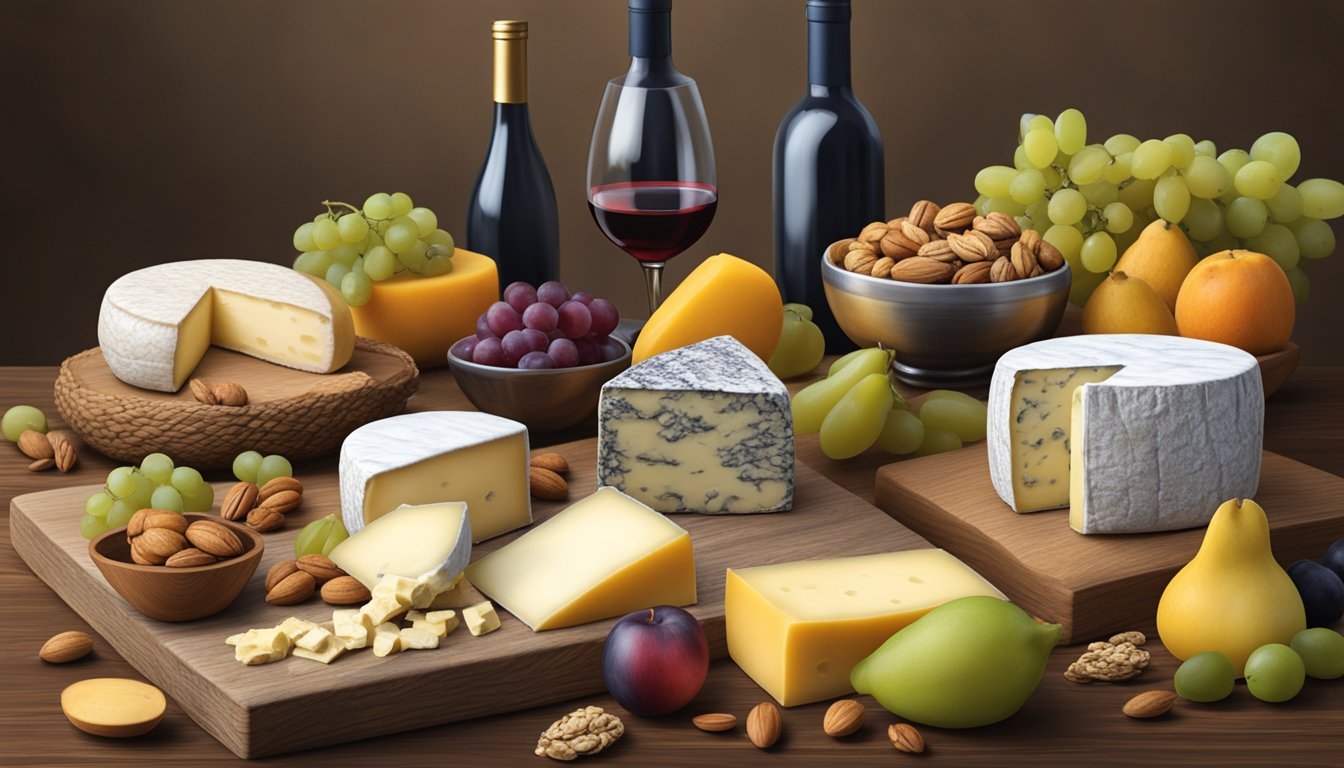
(651, 184)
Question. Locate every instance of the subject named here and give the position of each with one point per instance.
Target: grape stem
(331, 203)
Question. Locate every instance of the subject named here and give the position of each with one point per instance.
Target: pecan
(923, 214)
(972, 246)
(956, 217)
(882, 267)
(1024, 262)
(1002, 270)
(860, 261)
(240, 500)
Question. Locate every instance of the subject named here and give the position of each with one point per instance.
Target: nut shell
(975, 272)
(35, 445)
(919, 269)
(214, 538)
(956, 217)
(923, 214)
(66, 647)
(279, 571)
(281, 502)
(202, 392)
(905, 738)
(294, 588)
(277, 484)
(156, 545)
(319, 567)
(764, 725)
(63, 449)
(1001, 271)
(230, 394)
(265, 519)
(190, 557)
(843, 718)
(239, 500)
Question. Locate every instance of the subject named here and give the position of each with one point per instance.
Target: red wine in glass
(653, 220)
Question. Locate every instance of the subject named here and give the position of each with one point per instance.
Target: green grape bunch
(1091, 201)
(353, 248)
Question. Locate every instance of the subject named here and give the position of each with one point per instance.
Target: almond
(938, 250)
(319, 567)
(35, 445)
(972, 246)
(294, 588)
(277, 484)
(860, 261)
(41, 465)
(215, 538)
(1032, 239)
(874, 232)
(552, 461)
(896, 222)
(1048, 256)
(843, 718)
(190, 557)
(923, 214)
(66, 647)
(838, 249)
(265, 519)
(281, 502)
(898, 244)
(905, 738)
(764, 725)
(882, 267)
(230, 394)
(63, 449)
(201, 391)
(546, 484)
(1002, 270)
(956, 217)
(997, 226)
(162, 518)
(920, 269)
(240, 500)
(1150, 704)
(279, 571)
(156, 545)
(1024, 262)
(715, 722)
(345, 590)
(975, 272)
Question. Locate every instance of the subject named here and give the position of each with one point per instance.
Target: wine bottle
(827, 167)
(511, 216)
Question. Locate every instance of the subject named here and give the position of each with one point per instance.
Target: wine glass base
(928, 378)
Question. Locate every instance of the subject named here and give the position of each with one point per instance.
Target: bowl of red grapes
(541, 355)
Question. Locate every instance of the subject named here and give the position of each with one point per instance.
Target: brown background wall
(148, 131)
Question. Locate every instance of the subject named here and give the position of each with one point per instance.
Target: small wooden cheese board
(296, 704)
(1093, 585)
(293, 413)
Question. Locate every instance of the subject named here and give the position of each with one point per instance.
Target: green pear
(970, 662)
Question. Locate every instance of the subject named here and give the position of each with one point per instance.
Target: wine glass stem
(653, 281)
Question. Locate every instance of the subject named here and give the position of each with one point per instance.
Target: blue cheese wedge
(438, 456)
(705, 428)
(1133, 433)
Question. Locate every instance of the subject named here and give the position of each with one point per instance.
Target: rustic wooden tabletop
(1063, 724)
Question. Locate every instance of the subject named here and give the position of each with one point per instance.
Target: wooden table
(1063, 724)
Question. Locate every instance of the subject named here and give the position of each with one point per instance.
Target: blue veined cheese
(704, 428)
(1133, 433)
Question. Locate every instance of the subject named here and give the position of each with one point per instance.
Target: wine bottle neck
(650, 29)
(828, 43)
(510, 61)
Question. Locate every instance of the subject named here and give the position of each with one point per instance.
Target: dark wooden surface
(1063, 724)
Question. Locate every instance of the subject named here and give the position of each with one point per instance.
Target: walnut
(1119, 658)
(585, 731)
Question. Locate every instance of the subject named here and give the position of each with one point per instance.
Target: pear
(1122, 304)
(1161, 257)
(1232, 597)
(967, 663)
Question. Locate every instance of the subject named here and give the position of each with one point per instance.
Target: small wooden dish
(293, 413)
(177, 594)
(1276, 367)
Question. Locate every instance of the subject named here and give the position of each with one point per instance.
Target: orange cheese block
(425, 315)
(723, 296)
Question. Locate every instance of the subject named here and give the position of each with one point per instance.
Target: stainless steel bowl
(545, 400)
(945, 335)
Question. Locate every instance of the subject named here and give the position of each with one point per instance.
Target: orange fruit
(1241, 298)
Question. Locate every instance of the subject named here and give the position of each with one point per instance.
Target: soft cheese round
(1165, 439)
(145, 314)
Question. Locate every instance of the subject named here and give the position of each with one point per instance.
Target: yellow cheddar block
(604, 556)
(799, 628)
(425, 315)
(723, 296)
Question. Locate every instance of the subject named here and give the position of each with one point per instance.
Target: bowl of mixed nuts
(947, 290)
(175, 567)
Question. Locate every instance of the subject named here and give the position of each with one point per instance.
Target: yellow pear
(1161, 257)
(1232, 597)
(1122, 304)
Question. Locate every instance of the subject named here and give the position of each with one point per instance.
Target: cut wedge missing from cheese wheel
(156, 323)
(1133, 433)
(603, 556)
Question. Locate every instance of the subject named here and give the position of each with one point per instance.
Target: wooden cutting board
(297, 704)
(1095, 585)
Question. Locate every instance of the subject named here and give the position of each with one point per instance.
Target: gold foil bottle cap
(509, 30)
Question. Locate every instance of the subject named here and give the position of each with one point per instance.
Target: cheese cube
(799, 628)
(706, 428)
(233, 639)
(314, 640)
(392, 596)
(353, 628)
(481, 618)
(604, 556)
(414, 638)
(294, 627)
(434, 457)
(430, 543)
(319, 645)
(386, 639)
(262, 646)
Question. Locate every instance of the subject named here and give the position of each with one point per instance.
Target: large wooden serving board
(1093, 585)
(296, 704)
(293, 413)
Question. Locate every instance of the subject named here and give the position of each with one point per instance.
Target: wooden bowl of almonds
(175, 567)
(947, 290)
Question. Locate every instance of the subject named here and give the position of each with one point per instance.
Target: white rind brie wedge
(430, 543)
(1133, 433)
(156, 323)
